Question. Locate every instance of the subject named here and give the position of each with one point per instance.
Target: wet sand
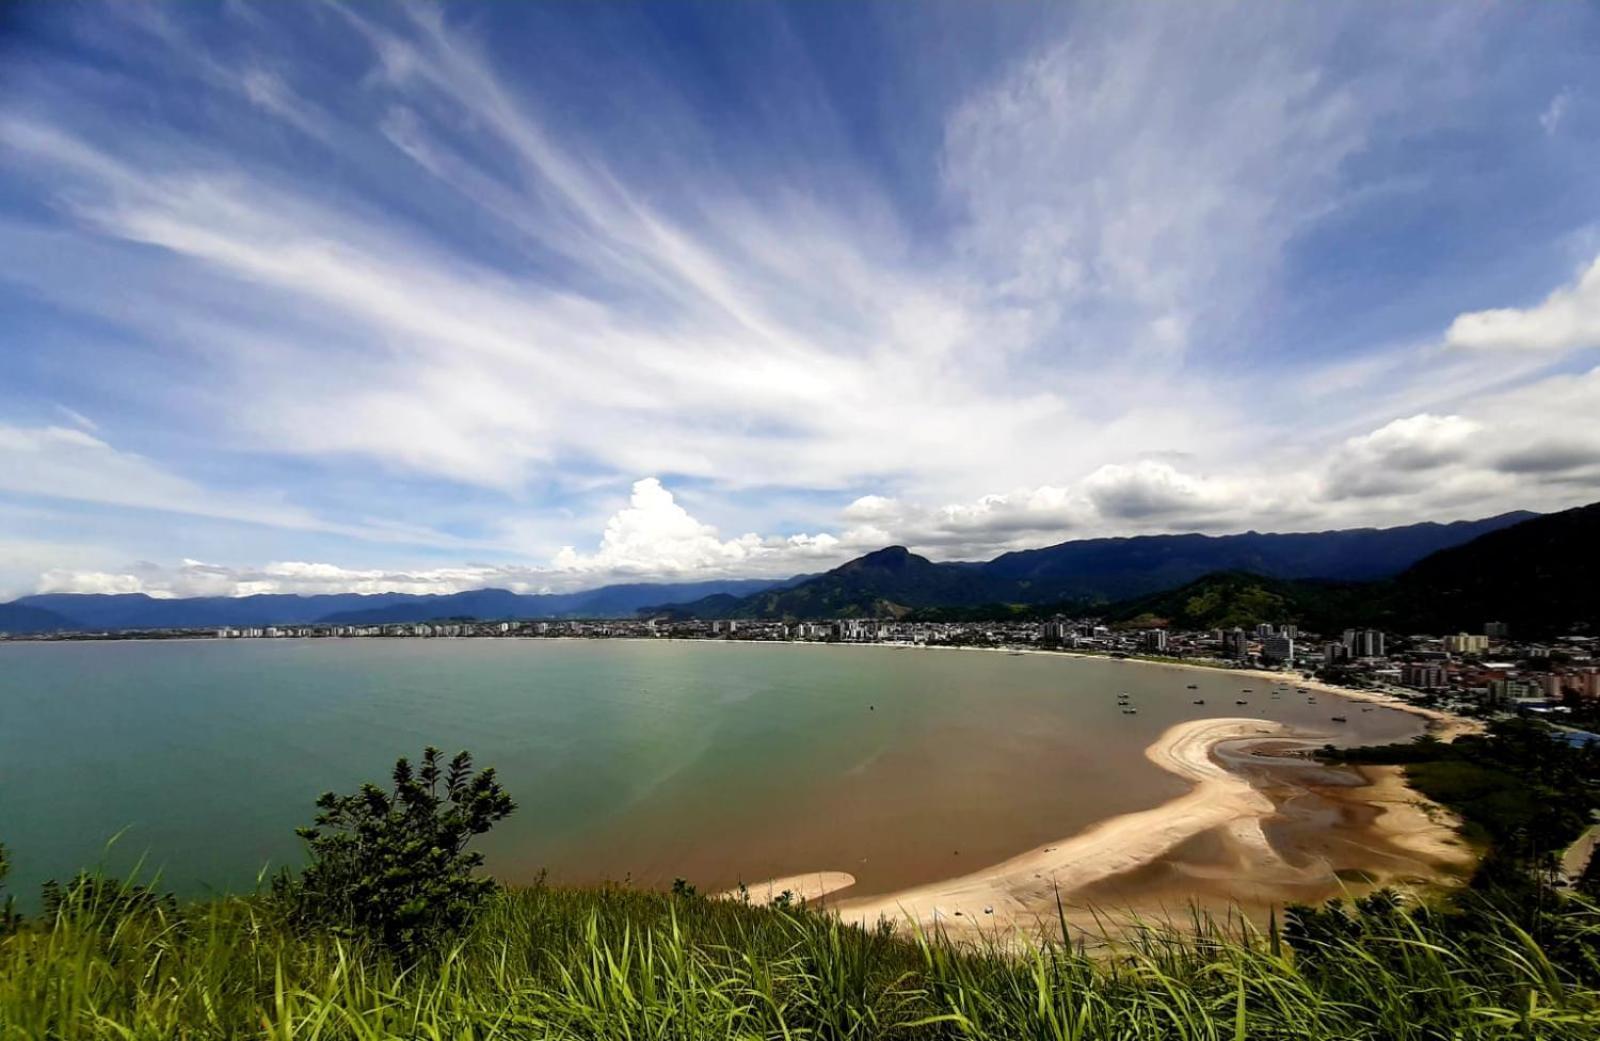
(1261, 826)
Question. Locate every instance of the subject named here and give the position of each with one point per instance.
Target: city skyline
(433, 298)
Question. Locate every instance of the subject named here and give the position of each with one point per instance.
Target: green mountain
(887, 583)
(1236, 598)
(1081, 575)
(1540, 577)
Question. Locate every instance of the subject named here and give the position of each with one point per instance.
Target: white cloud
(654, 536)
(1108, 216)
(1550, 118)
(69, 463)
(1568, 318)
(711, 328)
(1396, 455)
(78, 418)
(1134, 241)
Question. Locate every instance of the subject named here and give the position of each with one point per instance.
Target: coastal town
(1483, 673)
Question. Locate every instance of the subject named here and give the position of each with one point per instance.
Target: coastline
(1444, 725)
(1413, 839)
(1121, 861)
(1023, 888)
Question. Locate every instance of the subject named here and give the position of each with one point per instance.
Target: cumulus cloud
(653, 538)
(1393, 457)
(1568, 318)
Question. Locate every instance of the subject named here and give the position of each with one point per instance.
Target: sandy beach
(1405, 838)
(1023, 889)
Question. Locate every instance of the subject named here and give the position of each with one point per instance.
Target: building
(1291, 631)
(1363, 643)
(1496, 630)
(1507, 691)
(1583, 683)
(1155, 640)
(853, 630)
(1423, 676)
(1235, 644)
(1056, 630)
(1334, 651)
(1264, 630)
(1278, 648)
(1466, 643)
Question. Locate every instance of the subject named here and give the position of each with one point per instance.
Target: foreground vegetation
(390, 933)
(615, 962)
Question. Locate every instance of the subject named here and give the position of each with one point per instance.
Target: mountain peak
(889, 558)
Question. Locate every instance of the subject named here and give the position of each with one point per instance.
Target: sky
(301, 297)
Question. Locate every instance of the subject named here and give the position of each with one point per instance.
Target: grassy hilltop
(615, 962)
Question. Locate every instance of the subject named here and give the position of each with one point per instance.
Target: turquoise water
(628, 759)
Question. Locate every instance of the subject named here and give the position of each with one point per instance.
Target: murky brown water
(641, 760)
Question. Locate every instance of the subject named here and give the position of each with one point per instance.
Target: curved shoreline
(1025, 886)
(1444, 725)
(1028, 890)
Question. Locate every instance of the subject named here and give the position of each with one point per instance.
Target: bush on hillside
(394, 865)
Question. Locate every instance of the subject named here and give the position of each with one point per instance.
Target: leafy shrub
(394, 865)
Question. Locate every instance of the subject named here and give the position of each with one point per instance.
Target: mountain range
(894, 582)
(104, 612)
(1539, 577)
(1424, 572)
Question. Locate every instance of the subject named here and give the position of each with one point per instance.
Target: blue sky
(318, 297)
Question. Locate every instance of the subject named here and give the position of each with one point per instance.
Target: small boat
(1194, 686)
(1130, 712)
(1241, 701)
(1340, 719)
(1199, 701)
(1246, 690)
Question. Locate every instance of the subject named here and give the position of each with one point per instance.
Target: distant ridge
(893, 582)
(96, 612)
(22, 618)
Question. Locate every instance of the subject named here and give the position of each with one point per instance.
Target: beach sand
(1216, 847)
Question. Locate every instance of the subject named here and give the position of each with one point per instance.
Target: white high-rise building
(1278, 648)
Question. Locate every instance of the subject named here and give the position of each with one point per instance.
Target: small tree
(394, 865)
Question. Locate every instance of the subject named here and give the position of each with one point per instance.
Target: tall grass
(620, 963)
